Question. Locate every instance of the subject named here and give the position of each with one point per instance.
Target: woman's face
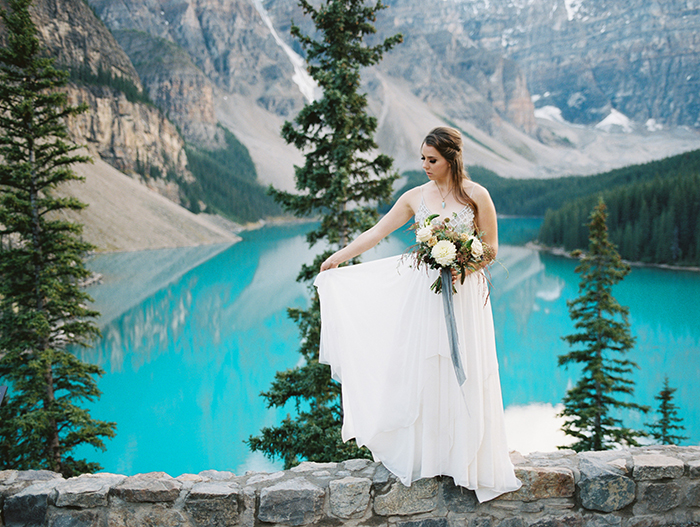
(436, 167)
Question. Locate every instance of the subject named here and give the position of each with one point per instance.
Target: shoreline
(560, 251)
(221, 223)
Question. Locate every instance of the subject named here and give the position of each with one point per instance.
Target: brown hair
(448, 141)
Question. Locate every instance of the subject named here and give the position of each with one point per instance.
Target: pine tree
(663, 430)
(341, 169)
(42, 308)
(603, 339)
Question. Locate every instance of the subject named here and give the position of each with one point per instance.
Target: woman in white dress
(383, 332)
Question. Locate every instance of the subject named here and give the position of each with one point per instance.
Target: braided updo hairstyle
(448, 141)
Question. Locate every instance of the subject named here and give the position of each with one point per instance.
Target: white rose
(444, 252)
(477, 248)
(424, 234)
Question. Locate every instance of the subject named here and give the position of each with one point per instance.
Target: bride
(383, 333)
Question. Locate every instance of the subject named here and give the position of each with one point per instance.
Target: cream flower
(424, 234)
(444, 252)
(432, 241)
(477, 248)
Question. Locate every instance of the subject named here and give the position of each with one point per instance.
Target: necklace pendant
(443, 204)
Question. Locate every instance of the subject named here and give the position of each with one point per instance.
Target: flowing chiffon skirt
(384, 335)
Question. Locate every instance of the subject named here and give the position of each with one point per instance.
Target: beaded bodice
(463, 222)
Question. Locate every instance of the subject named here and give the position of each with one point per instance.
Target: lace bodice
(464, 220)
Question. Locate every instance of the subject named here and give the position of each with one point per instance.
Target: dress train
(384, 335)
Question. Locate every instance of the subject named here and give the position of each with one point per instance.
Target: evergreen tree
(336, 135)
(602, 340)
(664, 429)
(42, 308)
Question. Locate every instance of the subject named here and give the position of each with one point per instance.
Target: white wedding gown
(384, 335)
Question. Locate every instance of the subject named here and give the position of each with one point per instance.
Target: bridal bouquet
(440, 246)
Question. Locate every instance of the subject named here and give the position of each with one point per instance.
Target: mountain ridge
(207, 63)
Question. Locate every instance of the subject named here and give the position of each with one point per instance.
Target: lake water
(191, 336)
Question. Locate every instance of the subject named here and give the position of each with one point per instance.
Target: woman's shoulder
(476, 191)
(413, 196)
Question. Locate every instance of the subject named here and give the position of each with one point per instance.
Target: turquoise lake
(191, 336)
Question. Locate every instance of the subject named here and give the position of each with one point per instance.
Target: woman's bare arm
(400, 213)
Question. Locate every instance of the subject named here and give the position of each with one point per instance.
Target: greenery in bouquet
(440, 245)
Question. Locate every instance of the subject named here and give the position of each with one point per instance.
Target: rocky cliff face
(131, 136)
(587, 57)
(442, 66)
(462, 81)
(77, 38)
(176, 85)
(475, 64)
(226, 39)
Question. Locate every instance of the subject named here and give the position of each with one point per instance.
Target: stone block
(265, 477)
(247, 515)
(426, 522)
(349, 496)
(481, 521)
(644, 521)
(515, 521)
(603, 487)
(37, 475)
(216, 475)
(86, 491)
(421, 496)
(558, 504)
(694, 468)
(456, 498)
(542, 482)
(13, 481)
(214, 503)
(531, 506)
(662, 497)
(602, 520)
(311, 466)
(7, 476)
(515, 507)
(28, 507)
(74, 518)
(656, 466)
(147, 515)
(570, 520)
(692, 495)
(153, 487)
(382, 476)
(292, 502)
(354, 465)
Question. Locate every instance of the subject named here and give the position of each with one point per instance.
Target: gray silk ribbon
(448, 308)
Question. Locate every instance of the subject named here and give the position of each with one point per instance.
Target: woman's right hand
(329, 263)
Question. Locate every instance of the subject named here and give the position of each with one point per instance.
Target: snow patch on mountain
(307, 86)
(572, 8)
(551, 113)
(653, 126)
(615, 122)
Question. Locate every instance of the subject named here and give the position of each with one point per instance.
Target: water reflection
(535, 428)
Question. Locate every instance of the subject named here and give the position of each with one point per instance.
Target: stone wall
(642, 487)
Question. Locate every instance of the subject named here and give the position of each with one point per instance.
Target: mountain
(121, 130)
(539, 88)
(175, 84)
(119, 127)
(520, 77)
(222, 47)
(587, 57)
